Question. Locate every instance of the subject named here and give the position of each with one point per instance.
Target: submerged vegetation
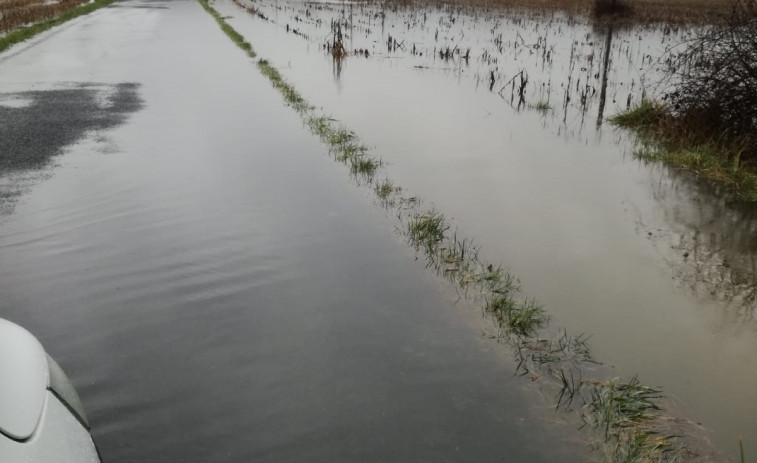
(228, 30)
(671, 11)
(426, 230)
(520, 318)
(628, 417)
(54, 17)
(666, 138)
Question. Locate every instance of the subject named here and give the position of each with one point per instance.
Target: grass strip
(228, 30)
(627, 413)
(25, 33)
(663, 138)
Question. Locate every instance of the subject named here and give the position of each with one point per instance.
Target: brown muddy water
(657, 268)
(216, 288)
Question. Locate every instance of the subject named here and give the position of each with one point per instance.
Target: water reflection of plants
(711, 272)
(709, 244)
(629, 415)
(707, 119)
(526, 57)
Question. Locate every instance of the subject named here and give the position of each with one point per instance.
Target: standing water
(498, 119)
(216, 289)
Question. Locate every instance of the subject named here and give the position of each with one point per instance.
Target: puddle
(41, 124)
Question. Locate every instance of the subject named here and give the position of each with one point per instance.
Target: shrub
(715, 81)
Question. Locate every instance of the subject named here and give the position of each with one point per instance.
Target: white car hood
(24, 378)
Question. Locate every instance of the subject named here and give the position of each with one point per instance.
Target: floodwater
(215, 286)
(657, 268)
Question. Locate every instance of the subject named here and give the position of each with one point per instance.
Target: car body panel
(62, 387)
(61, 438)
(23, 381)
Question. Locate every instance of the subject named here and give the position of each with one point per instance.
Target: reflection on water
(713, 243)
(569, 64)
(337, 65)
(511, 142)
(605, 68)
(39, 124)
(530, 60)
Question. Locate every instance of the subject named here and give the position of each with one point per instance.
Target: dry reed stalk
(638, 11)
(28, 12)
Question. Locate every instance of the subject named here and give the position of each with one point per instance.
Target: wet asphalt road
(37, 125)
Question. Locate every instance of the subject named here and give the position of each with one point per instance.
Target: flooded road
(213, 284)
(658, 269)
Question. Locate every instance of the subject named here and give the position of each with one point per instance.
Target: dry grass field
(17, 13)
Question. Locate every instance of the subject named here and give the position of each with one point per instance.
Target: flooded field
(497, 119)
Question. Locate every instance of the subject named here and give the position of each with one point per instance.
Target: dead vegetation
(671, 11)
(707, 120)
(715, 83)
(336, 45)
(18, 13)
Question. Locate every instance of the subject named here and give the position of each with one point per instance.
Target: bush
(611, 7)
(715, 82)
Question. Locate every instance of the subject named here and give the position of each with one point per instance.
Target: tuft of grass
(340, 137)
(342, 142)
(505, 283)
(364, 166)
(616, 404)
(25, 33)
(542, 106)
(706, 162)
(522, 319)
(644, 116)
(665, 139)
(351, 152)
(386, 189)
(640, 446)
(320, 125)
(500, 307)
(427, 230)
(628, 412)
(293, 99)
(527, 317)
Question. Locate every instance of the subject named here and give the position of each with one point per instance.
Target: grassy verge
(28, 32)
(665, 139)
(228, 30)
(626, 415)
